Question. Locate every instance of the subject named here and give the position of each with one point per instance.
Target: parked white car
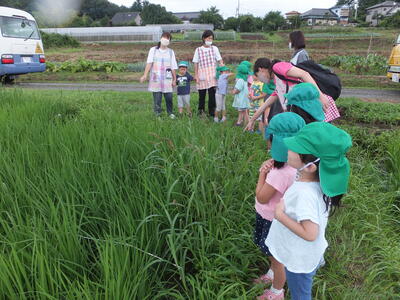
(21, 47)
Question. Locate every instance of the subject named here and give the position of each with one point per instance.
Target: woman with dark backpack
(286, 76)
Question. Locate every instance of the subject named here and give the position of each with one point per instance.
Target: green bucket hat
(248, 65)
(306, 96)
(281, 126)
(242, 72)
(329, 144)
(183, 64)
(222, 69)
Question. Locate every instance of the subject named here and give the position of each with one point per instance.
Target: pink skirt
(332, 113)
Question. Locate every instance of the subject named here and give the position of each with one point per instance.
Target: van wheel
(9, 80)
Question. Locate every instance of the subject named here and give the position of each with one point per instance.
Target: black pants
(211, 101)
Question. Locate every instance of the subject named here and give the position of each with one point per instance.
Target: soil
(232, 51)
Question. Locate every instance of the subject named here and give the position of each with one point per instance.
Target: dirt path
(365, 94)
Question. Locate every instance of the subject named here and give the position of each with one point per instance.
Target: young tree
(295, 22)
(211, 16)
(138, 5)
(157, 14)
(247, 23)
(273, 21)
(231, 23)
(392, 21)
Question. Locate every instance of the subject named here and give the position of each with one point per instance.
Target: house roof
(319, 13)
(393, 10)
(383, 4)
(344, 6)
(124, 18)
(293, 12)
(187, 15)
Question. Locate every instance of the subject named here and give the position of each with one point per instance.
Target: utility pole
(356, 7)
(238, 15)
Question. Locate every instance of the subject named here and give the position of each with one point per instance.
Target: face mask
(164, 42)
(304, 167)
(290, 45)
(208, 43)
(262, 78)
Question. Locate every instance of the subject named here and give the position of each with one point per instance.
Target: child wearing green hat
(274, 179)
(297, 235)
(241, 92)
(183, 79)
(303, 100)
(257, 96)
(223, 74)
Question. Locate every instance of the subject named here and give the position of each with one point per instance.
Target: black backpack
(328, 82)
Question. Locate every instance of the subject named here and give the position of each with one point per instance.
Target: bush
(58, 40)
(372, 64)
(85, 65)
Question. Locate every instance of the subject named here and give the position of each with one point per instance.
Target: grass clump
(53, 40)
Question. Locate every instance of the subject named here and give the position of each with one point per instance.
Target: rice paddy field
(101, 200)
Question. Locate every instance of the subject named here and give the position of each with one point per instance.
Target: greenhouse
(184, 27)
(124, 34)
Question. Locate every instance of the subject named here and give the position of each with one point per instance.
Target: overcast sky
(228, 7)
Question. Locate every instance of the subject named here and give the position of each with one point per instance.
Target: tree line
(100, 12)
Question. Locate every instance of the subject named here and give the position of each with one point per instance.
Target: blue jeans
(300, 284)
(157, 97)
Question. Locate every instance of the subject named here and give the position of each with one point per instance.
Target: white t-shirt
(207, 49)
(303, 201)
(150, 57)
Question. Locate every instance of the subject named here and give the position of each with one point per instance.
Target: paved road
(368, 94)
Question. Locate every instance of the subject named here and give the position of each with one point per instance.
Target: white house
(381, 10)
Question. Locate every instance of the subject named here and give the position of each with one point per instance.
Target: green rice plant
(393, 160)
(101, 200)
(357, 111)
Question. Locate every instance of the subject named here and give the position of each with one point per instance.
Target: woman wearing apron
(205, 64)
(161, 64)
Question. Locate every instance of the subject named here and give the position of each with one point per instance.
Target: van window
(398, 39)
(19, 28)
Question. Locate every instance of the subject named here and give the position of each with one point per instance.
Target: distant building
(292, 14)
(343, 12)
(187, 17)
(381, 10)
(320, 16)
(129, 18)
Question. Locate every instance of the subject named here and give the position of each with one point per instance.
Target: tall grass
(102, 201)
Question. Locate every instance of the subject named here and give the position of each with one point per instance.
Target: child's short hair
(277, 164)
(330, 202)
(301, 112)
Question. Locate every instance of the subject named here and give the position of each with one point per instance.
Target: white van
(21, 47)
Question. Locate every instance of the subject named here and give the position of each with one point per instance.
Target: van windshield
(19, 28)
